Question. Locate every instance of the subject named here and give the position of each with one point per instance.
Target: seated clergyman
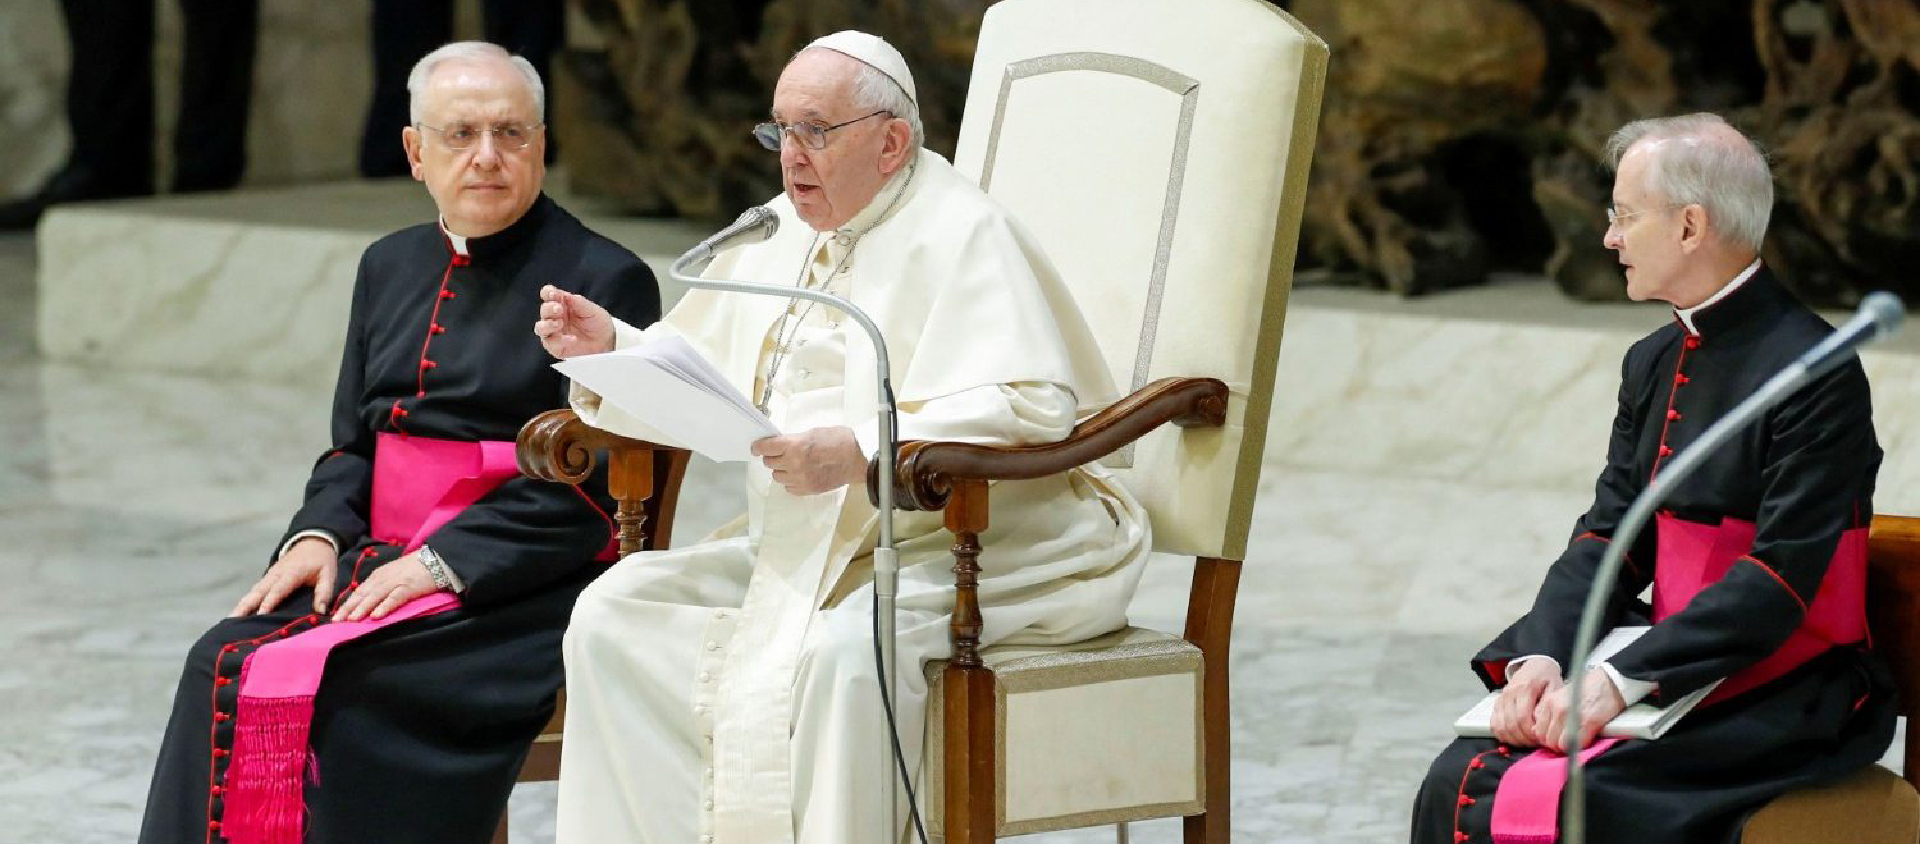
(1757, 563)
(726, 691)
(415, 527)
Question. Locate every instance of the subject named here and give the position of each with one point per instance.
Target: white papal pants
(637, 764)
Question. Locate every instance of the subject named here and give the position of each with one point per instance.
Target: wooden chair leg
(971, 807)
(1209, 625)
(500, 832)
(970, 763)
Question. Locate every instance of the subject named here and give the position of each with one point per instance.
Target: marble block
(253, 284)
(1509, 384)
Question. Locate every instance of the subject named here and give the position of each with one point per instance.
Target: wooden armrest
(926, 471)
(557, 446)
(643, 477)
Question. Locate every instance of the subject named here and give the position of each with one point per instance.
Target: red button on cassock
(1673, 415)
(1666, 452)
(1693, 342)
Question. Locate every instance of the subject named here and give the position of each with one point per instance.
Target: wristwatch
(436, 568)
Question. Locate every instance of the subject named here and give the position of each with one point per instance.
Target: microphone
(1879, 314)
(754, 225)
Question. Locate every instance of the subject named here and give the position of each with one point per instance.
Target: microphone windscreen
(1885, 310)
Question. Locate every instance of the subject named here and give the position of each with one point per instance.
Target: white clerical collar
(459, 241)
(881, 204)
(1686, 314)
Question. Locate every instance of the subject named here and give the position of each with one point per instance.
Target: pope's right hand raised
(572, 325)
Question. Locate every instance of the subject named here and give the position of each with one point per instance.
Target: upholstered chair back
(1159, 151)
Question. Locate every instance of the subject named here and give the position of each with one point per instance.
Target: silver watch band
(436, 568)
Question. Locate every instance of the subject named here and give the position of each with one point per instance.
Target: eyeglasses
(1615, 218)
(461, 137)
(810, 135)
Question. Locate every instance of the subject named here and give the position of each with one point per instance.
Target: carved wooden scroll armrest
(557, 446)
(953, 477)
(926, 471)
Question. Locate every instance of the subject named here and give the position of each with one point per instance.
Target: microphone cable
(879, 658)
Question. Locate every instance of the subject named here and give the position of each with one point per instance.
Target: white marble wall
(1524, 403)
(252, 284)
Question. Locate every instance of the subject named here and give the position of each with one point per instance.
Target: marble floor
(134, 507)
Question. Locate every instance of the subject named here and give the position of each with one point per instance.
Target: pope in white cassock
(726, 691)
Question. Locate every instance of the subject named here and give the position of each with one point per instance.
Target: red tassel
(265, 795)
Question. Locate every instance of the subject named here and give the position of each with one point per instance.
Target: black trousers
(406, 30)
(110, 94)
(418, 732)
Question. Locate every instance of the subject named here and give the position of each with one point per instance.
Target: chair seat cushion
(1093, 733)
(1871, 807)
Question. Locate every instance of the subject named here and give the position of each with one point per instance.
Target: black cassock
(420, 727)
(1804, 474)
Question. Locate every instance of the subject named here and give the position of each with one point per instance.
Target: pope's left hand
(815, 461)
(1599, 703)
(386, 589)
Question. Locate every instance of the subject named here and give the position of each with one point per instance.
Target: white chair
(1159, 151)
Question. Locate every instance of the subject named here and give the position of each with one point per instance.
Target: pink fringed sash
(418, 485)
(1526, 806)
(1691, 557)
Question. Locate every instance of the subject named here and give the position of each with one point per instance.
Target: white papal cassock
(726, 691)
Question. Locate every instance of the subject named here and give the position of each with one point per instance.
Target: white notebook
(679, 397)
(1641, 720)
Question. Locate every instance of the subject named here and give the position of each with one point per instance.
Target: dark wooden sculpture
(1458, 137)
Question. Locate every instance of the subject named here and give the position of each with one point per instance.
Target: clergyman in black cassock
(418, 728)
(1803, 477)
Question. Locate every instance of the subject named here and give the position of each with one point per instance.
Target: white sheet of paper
(678, 394)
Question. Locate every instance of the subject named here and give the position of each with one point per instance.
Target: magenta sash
(1526, 806)
(1691, 557)
(418, 485)
(1694, 556)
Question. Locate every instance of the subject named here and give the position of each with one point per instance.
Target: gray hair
(1710, 164)
(875, 91)
(472, 51)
